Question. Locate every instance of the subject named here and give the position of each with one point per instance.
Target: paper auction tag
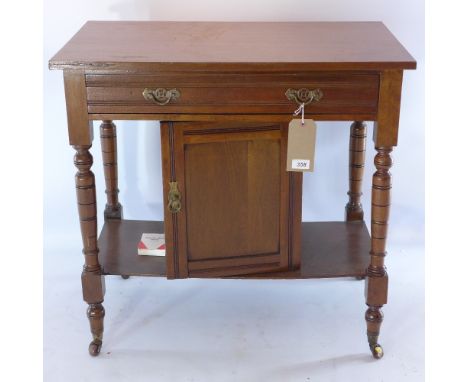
(301, 145)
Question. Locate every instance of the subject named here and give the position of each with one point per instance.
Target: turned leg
(109, 159)
(91, 278)
(113, 208)
(357, 152)
(377, 279)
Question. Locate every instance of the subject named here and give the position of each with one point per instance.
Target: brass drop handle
(174, 203)
(304, 96)
(161, 96)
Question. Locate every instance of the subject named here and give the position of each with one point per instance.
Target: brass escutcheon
(161, 96)
(174, 203)
(303, 95)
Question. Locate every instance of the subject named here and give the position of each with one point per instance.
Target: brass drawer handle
(174, 203)
(161, 96)
(304, 96)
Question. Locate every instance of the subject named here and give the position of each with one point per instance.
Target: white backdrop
(139, 158)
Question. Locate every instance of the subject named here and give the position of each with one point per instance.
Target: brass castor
(377, 351)
(125, 277)
(95, 347)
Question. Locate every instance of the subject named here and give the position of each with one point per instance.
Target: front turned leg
(377, 279)
(95, 315)
(91, 278)
(374, 318)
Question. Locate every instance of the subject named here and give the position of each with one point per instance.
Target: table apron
(324, 93)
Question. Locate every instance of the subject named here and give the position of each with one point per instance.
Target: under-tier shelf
(334, 249)
(118, 248)
(329, 249)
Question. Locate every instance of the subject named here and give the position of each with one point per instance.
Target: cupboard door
(234, 195)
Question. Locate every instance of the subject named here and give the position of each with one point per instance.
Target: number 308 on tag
(300, 164)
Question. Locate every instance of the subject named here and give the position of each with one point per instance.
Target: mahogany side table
(224, 94)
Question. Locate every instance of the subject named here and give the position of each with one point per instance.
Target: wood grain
(328, 249)
(108, 136)
(334, 249)
(155, 45)
(388, 117)
(357, 156)
(235, 201)
(170, 219)
(349, 92)
(192, 79)
(199, 116)
(118, 243)
(295, 219)
(92, 279)
(80, 129)
(234, 197)
(377, 278)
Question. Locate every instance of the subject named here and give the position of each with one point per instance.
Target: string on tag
(300, 110)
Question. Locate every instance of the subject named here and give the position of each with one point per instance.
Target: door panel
(237, 197)
(234, 192)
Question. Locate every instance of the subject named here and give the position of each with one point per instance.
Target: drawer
(228, 93)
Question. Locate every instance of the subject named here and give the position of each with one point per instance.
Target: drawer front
(336, 93)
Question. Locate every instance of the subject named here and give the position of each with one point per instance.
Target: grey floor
(231, 330)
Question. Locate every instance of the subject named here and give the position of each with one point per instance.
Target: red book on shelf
(152, 244)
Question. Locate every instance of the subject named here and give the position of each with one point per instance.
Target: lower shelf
(118, 253)
(335, 249)
(329, 249)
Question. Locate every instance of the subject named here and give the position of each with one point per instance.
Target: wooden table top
(282, 45)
